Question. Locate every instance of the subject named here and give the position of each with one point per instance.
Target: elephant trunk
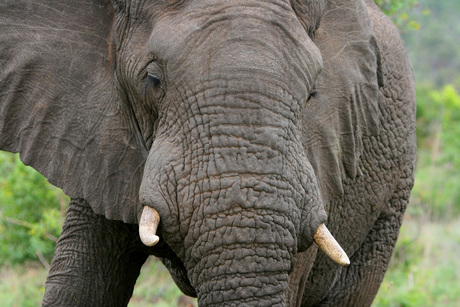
(239, 288)
(241, 259)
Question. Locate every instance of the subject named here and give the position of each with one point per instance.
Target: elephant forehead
(249, 34)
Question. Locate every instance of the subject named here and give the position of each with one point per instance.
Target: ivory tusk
(148, 226)
(330, 246)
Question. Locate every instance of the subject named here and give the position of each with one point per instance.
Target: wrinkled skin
(245, 124)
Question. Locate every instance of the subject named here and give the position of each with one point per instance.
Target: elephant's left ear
(345, 108)
(60, 106)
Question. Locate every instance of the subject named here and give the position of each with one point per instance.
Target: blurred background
(425, 268)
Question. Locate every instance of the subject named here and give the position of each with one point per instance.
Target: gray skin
(245, 124)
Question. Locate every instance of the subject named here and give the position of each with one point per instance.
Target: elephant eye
(313, 94)
(155, 80)
(154, 89)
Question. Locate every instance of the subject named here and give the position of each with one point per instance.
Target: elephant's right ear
(60, 106)
(346, 107)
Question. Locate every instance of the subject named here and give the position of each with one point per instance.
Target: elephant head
(230, 124)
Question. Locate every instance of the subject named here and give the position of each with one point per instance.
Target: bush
(436, 191)
(396, 10)
(31, 213)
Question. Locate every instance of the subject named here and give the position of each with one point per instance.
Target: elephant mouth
(199, 280)
(172, 262)
(150, 220)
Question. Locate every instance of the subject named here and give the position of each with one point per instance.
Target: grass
(155, 287)
(22, 286)
(425, 268)
(424, 271)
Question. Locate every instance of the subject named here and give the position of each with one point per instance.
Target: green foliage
(31, 212)
(397, 11)
(434, 49)
(436, 191)
(447, 102)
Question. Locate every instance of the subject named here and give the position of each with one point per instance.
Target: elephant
(264, 151)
